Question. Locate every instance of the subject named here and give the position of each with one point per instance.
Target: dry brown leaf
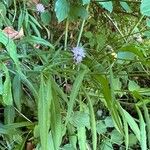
(13, 34)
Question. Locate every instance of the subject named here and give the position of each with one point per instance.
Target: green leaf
(45, 2)
(62, 9)
(117, 84)
(133, 49)
(125, 6)
(46, 17)
(11, 48)
(86, 2)
(106, 145)
(133, 86)
(56, 123)
(80, 119)
(82, 137)
(101, 127)
(92, 121)
(44, 103)
(74, 92)
(143, 139)
(78, 11)
(116, 137)
(7, 94)
(132, 139)
(2, 10)
(107, 5)
(36, 40)
(145, 7)
(133, 125)
(17, 91)
(109, 122)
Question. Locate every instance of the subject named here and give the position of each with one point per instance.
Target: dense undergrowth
(74, 75)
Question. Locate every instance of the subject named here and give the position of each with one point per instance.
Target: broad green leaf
(80, 119)
(133, 49)
(125, 6)
(125, 56)
(68, 147)
(145, 7)
(132, 140)
(78, 11)
(117, 84)
(86, 2)
(46, 17)
(101, 128)
(107, 5)
(109, 122)
(133, 125)
(148, 22)
(116, 137)
(106, 145)
(133, 86)
(62, 9)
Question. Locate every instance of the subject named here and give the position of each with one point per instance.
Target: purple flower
(78, 54)
(40, 8)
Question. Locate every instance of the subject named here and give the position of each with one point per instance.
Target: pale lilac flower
(40, 8)
(78, 54)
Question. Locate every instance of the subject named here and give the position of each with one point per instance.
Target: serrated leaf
(80, 119)
(109, 122)
(101, 127)
(62, 9)
(116, 137)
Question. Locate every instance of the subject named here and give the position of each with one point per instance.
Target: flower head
(40, 8)
(78, 54)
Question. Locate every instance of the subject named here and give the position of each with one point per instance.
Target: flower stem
(66, 35)
(81, 30)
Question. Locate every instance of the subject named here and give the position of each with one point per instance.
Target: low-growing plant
(74, 75)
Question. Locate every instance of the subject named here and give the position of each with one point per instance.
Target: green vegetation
(74, 74)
